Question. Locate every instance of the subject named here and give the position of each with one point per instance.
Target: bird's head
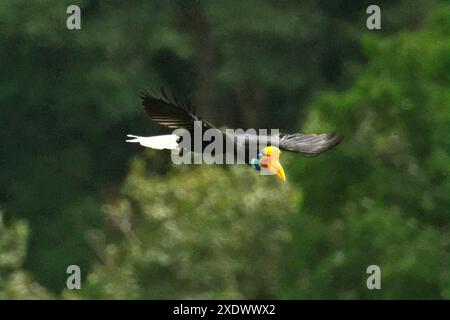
(268, 160)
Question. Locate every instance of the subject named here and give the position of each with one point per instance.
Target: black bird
(261, 151)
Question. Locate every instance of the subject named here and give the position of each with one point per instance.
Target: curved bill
(276, 168)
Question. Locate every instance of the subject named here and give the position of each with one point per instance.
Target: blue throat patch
(255, 162)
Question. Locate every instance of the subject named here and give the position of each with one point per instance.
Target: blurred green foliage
(68, 98)
(383, 195)
(15, 283)
(177, 245)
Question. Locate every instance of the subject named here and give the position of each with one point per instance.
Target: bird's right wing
(308, 144)
(170, 112)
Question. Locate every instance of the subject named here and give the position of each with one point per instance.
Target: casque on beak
(276, 167)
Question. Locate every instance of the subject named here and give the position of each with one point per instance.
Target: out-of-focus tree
(198, 233)
(383, 196)
(15, 283)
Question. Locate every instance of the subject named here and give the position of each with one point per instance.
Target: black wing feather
(169, 112)
(308, 144)
(173, 114)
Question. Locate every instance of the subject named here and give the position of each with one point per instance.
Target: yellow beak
(275, 167)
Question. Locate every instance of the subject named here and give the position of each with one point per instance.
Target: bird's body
(260, 150)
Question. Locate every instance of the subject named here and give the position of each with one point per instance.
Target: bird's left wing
(169, 112)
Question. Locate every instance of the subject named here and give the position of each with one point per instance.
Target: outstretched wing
(308, 144)
(170, 112)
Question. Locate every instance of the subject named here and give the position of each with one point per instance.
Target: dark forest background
(73, 192)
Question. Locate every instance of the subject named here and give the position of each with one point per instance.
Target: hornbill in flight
(264, 157)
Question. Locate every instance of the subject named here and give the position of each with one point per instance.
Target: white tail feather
(156, 142)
